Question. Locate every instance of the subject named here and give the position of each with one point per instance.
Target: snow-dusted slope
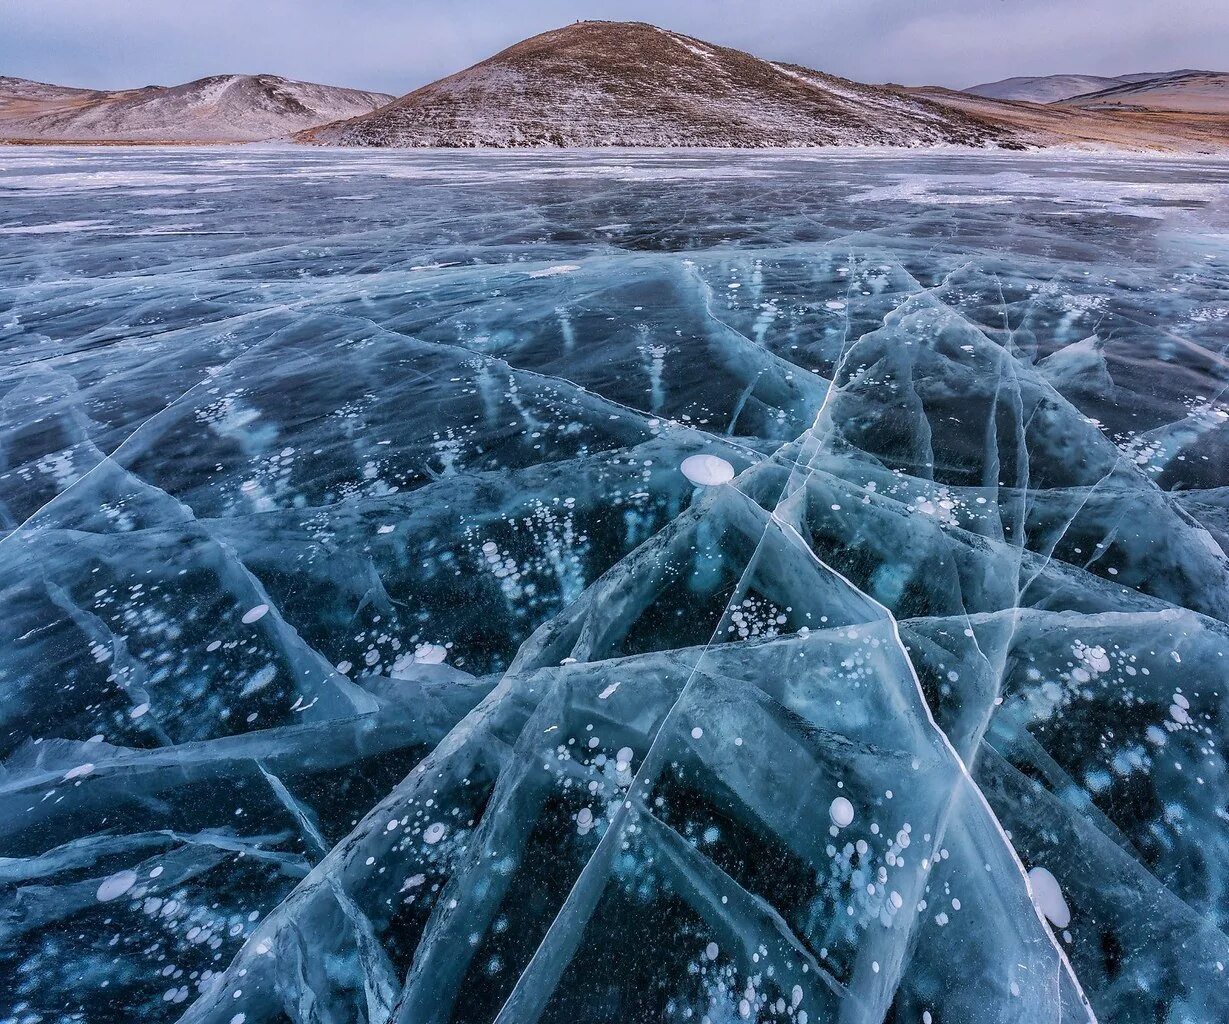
(631, 84)
(1196, 91)
(1042, 89)
(15, 91)
(1067, 123)
(223, 108)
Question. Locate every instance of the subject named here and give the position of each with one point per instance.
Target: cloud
(399, 45)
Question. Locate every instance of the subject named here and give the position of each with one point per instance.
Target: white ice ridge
(800, 611)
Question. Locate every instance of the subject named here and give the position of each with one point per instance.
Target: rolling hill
(1042, 89)
(1204, 92)
(222, 108)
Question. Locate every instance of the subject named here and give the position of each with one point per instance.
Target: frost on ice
(371, 654)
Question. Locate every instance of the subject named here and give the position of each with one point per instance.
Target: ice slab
(582, 587)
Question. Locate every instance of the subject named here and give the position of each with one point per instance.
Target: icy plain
(368, 655)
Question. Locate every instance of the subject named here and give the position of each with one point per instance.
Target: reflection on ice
(649, 588)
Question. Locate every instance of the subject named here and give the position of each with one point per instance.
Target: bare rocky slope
(631, 84)
(222, 108)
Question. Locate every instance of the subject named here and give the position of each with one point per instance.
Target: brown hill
(602, 83)
(1070, 124)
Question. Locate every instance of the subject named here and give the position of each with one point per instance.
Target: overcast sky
(397, 45)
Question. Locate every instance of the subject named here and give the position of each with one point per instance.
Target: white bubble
(434, 833)
(430, 654)
(1049, 897)
(114, 886)
(255, 614)
(711, 951)
(707, 470)
(841, 812)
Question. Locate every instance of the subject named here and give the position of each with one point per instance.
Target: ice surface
(371, 651)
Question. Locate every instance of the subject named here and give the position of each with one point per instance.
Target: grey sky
(396, 46)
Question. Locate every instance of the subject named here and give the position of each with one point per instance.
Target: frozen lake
(613, 586)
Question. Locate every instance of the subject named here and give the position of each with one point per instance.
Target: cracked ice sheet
(369, 658)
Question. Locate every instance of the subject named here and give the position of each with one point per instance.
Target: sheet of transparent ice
(367, 657)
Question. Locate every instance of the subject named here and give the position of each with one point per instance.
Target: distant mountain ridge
(1190, 91)
(1056, 88)
(220, 108)
(602, 83)
(1041, 89)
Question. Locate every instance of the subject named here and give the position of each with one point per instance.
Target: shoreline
(1089, 149)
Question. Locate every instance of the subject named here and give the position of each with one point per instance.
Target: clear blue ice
(366, 655)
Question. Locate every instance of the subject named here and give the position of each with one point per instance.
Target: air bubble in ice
(707, 470)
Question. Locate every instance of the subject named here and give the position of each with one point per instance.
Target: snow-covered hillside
(222, 108)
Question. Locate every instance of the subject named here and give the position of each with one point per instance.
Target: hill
(603, 83)
(1204, 92)
(222, 108)
(1043, 88)
(1094, 127)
